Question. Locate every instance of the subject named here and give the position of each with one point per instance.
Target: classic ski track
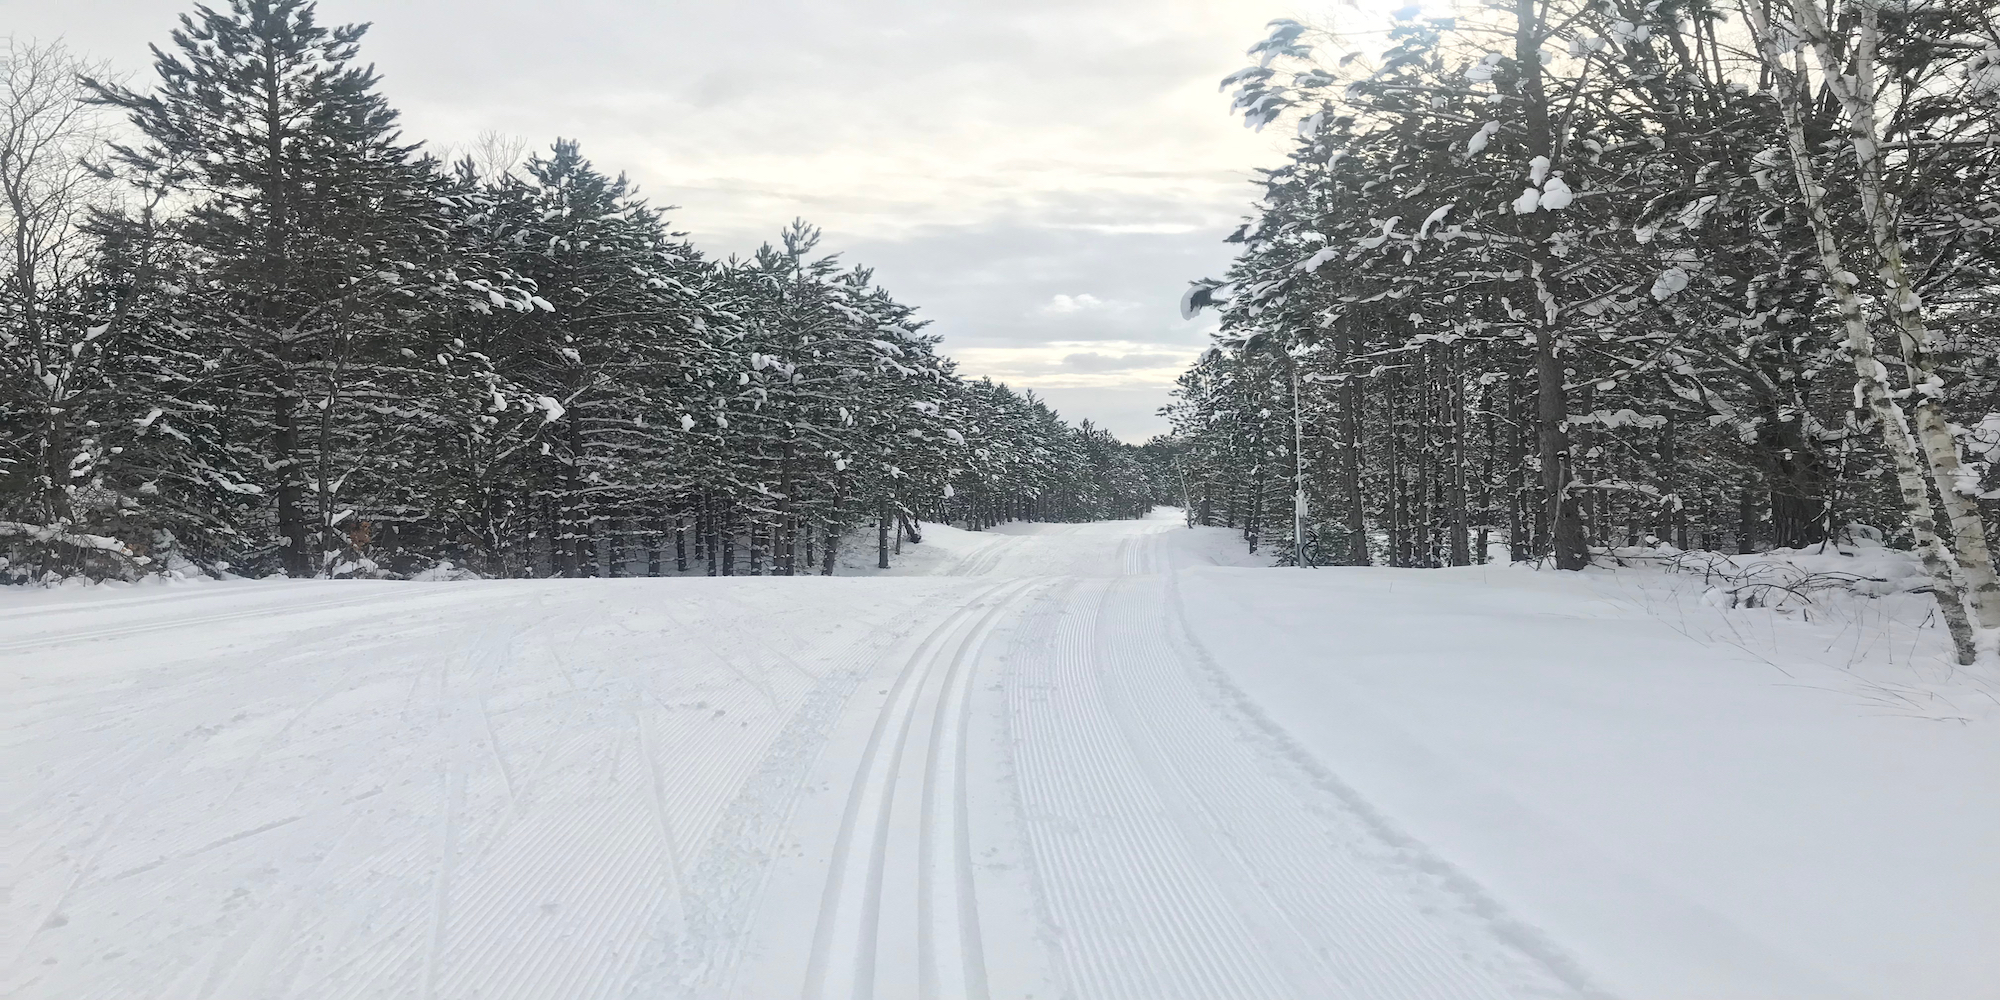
(850, 908)
(955, 903)
(1140, 555)
(721, 903)
(1330, 914)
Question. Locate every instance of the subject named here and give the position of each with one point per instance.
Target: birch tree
(1848, 73)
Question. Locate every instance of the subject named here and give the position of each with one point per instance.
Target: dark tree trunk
(711, 538)
(725, 538)
(1399, 544)
(791, 546)
(1521, 545)
(297, 543)
(1746, 518)
(1461, 519)
(1566, 538)
(1799, 484)
(1350, 458)
(1489, 515)
(1426, 458)
(882, 539)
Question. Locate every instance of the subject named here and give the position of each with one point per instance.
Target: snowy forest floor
(1103, 760)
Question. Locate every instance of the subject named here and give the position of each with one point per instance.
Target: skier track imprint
(982, 560)
(847, 937)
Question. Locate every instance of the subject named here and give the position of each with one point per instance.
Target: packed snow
(1121, 759)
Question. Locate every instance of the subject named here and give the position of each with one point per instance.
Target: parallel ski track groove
(983, 560)
(875, 778)
(947, 743)
(721, 903)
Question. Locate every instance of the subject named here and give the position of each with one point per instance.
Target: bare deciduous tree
(48, 129)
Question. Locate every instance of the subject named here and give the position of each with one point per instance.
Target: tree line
(257, 331)
(1550, 277)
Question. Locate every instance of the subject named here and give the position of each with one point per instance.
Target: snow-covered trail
(1007, 782)
(1079, 762)
(1050, 796)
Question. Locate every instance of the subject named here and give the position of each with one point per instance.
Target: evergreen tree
(304, 348)
(309, 209)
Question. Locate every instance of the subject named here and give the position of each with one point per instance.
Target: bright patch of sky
(1041, 177)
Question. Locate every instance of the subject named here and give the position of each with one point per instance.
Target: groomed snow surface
(1105, 760)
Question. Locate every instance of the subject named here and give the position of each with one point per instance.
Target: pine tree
(309, 208)
(304, 348)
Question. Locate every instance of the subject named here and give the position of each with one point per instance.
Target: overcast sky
(1040, 177)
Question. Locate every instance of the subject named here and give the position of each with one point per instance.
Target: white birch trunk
(1871, 379)
(1903, 304)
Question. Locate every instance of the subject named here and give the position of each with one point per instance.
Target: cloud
(997, 285)
(1131, 413)
(1064, 305)
(1061, 304)
(1121, 363)
(1060, 364)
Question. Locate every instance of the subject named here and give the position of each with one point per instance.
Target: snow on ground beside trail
(1860, 616)
(1120, 759)
(1701, 800)
(943, 548)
